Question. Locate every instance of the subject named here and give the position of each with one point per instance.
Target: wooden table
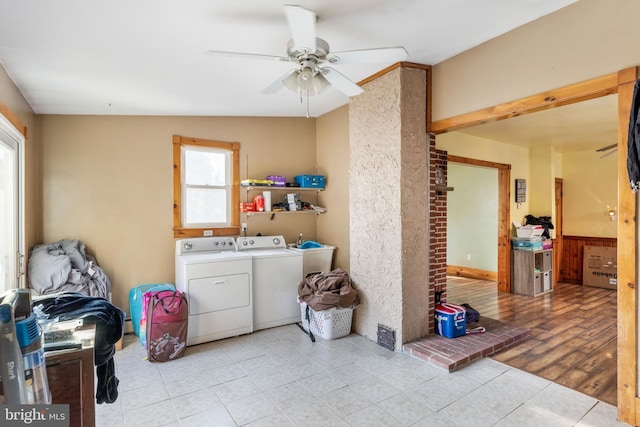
(70, 373)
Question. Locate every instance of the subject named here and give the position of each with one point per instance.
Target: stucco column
(388, 193)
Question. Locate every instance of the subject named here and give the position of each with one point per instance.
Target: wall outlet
(244, 226)
(207, 233)
(468, 257)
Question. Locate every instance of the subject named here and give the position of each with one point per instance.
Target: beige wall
(332, 148)
(556, 50)
(12, 98)
(590, 183)
(590, 188)
(107, 180)
(461, 144)
(587, 39)
(541, 187)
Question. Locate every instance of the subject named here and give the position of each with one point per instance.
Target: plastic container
(310, 181)
(267, 200)
(327, 324)
(546, 281)
(527, 243)
(529, 230)
(316, 259)
(451, 320)
(278, 180)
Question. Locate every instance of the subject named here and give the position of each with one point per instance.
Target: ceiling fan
(312, 75)
(612, 147)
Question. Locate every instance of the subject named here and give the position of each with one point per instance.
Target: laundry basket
(327, 324)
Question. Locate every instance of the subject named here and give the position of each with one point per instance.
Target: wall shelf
(306, 211)
(278, 188)
(248, 188)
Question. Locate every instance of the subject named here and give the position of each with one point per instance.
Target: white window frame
(180, 228)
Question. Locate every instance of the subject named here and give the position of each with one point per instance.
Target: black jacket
(109, 321)
(633, 143)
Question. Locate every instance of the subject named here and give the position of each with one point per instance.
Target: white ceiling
(146, 57)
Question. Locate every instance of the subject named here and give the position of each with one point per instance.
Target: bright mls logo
(34, 415)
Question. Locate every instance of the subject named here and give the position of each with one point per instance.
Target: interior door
(557, 250)
(11, 206)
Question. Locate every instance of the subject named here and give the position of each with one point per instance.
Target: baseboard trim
(472, 273)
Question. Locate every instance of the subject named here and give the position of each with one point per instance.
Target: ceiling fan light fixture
(291, 82)
(307, 82)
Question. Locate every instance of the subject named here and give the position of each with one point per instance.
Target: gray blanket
(64, 266)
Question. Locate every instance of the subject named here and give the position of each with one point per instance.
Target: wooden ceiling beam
(594, 88)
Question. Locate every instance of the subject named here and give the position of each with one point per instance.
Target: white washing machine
(276, 276)
(218, 282)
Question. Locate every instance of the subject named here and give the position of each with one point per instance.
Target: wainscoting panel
(572, 255)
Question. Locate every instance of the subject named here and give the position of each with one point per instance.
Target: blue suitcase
(135, 301)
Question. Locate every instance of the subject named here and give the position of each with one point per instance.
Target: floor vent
(386, 337)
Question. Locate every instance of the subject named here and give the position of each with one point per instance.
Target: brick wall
(437, 230)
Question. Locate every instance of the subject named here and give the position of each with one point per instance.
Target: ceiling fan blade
(278, 84)
(247, 55)
(384, 54)
(608, 147)
(302, 24)
(340, 82)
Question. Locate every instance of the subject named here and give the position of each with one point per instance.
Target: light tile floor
(277, 377)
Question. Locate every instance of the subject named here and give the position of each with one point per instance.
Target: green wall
(472, 217)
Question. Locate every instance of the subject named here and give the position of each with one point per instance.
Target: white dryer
(276, 276)
(218, 282)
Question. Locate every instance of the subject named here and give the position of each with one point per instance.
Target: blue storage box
(135, 301)
(310, 181)
(451, 320)
(527, 243)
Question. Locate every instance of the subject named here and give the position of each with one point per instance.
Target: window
(205, 187)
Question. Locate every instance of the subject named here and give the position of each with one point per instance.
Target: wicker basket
(327, 324)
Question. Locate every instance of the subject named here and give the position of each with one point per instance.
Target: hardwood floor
(573, 332)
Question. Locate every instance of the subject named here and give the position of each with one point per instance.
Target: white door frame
(15, 141)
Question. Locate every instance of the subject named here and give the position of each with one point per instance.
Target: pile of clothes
(64, 266)
(109, 321)
(323, 291)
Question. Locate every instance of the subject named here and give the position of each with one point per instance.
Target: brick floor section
(453, 353)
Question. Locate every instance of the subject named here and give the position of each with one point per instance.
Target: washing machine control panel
(261, 242)
(205, 244)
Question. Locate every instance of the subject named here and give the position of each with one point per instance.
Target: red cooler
(451, 320)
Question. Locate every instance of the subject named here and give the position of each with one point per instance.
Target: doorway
(621, 83)
(503, 214)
